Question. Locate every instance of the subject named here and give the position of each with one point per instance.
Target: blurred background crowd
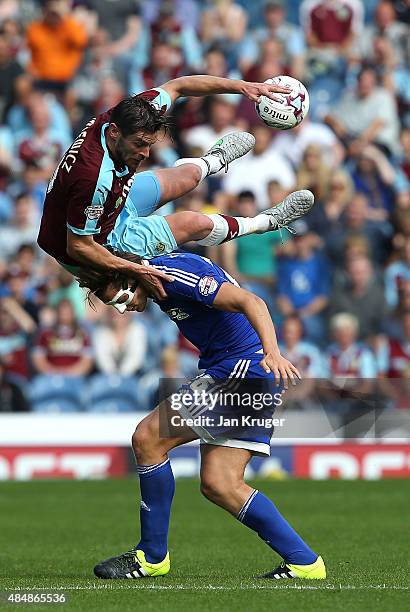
(338, 290)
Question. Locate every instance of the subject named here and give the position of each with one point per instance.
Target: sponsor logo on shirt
(94, 212)
(207, 285)
(176, 314)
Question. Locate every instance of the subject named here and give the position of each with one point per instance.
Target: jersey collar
(118, 173)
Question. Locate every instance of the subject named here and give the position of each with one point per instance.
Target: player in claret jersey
(233, 330)
(96, 182)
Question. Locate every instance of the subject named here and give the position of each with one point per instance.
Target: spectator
(120, 19)
(18, 118)
(362, 295)
(160, 383)
(215, 64)
(163, 66)
(120, 344)
(392, 325)
(224, 23)
(403, 162)
(368, 112)
(186, 11)
(30, 181)
(350, 364)
(12, 78)
(65, 348)
(354, 221)
(331, 26)
(62, 286)
(293, 143)
(41, 145)
(181, 39)
(306, 357)
(385, 24)
(313, 173)
(22, 227)
(12, 398)
(221, 121)
(303, 284)
(276, 26)
(254, 171)
(268, 64)
(326, 216)
(374, 176)
(16, 328)
(251, 259)
(394, 365)
(396, 274)
(56, 43)
(20, 290)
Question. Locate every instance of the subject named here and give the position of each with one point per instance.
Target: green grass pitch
(52, 534)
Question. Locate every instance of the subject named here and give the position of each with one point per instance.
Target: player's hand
(281, 368)
(254, 91)
(151, 279)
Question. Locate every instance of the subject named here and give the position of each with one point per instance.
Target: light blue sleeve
(296, 43)
(191, 48)
(390, 286)
(368, 368)
(383, 357)
(163, 99)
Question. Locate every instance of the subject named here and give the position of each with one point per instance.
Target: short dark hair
(246, 194)
(96, 282)
(135, 114)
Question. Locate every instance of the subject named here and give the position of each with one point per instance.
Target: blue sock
(157, 491)
(260, 514)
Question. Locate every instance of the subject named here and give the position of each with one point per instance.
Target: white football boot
(294, 206)
(228, 148)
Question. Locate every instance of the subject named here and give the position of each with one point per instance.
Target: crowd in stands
(338, 290)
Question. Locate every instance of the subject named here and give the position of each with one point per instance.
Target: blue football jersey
(217, 334)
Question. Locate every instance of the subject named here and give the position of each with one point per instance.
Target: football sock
(157, 491)
(209, 164)
(260, 514)
(227, 228)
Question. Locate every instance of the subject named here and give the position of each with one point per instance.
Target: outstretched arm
(235, 299)
(205, 85)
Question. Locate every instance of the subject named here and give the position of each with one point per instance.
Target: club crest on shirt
(207, 285)
(94, 212)
(160, 247)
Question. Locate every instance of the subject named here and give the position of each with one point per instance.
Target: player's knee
(198, 223)
(217, 489)
(143, 441)
(195, 174)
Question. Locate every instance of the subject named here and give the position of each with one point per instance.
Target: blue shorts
(137, 232)
(241, 414)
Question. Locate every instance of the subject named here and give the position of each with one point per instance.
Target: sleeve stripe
(179, 278)
(85, 231)
(187, 275)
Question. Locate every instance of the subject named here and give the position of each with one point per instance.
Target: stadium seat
(116, 389)
(57, 405)
(115, 404)
(54, 388)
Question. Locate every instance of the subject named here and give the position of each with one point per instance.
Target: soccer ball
(290, 110)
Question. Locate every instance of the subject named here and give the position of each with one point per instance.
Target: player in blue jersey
(233, 330)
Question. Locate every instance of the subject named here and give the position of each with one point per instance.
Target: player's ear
(113, 131)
